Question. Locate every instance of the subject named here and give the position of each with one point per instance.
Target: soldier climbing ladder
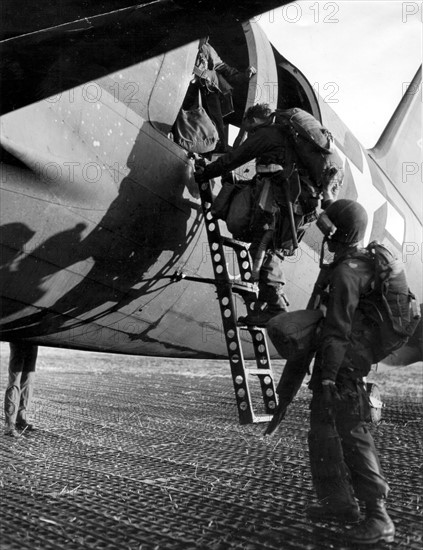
(225, 288)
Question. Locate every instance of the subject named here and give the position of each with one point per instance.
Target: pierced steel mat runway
(141, 453)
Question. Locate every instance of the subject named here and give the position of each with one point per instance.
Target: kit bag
(238, 218)
(194, 130)
(295, 332)
(235, 205)
(223, 199)
(313, 144)
(389, 300)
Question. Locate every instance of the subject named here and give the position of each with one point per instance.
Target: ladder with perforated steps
(242, 374)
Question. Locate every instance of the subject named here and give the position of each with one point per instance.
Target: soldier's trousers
(272, 280)
(19, 389)
(343, 458)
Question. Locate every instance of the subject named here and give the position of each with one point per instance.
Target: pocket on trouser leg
(273, 295)
(272, 270)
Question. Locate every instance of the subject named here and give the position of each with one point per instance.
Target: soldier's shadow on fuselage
(149, 216)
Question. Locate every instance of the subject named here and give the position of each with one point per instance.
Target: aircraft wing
(103, 38)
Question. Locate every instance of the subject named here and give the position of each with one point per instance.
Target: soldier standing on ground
(343, 458)
(22, 361)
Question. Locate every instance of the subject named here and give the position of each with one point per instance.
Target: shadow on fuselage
(148, 217)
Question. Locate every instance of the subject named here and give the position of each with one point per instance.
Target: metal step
(260, 372)
(248, 290)
(244, 287)
(234, 243)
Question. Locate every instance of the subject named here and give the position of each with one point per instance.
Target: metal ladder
(226, 287)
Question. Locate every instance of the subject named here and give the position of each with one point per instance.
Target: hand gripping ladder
(225, 287)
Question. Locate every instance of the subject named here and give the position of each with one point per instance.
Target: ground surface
(141, 453)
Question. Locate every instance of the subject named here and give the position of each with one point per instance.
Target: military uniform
(270, 146)
(343, 458)
(213, 75)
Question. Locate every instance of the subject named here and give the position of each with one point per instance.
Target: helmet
(350, 221)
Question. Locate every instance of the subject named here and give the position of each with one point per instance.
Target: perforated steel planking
(116, 464)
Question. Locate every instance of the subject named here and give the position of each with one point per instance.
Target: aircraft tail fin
(399, 149)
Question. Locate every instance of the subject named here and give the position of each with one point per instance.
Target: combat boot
(262, 317)
(376, 527)
(330, 511)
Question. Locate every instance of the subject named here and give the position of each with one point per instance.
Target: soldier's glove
(330, 396)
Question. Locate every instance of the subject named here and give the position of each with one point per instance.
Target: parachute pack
(313, 144)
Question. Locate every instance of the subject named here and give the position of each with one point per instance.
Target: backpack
(313, 144)
(388, 303)
(391, 285)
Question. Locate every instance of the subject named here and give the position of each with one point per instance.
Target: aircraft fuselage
(99, 209)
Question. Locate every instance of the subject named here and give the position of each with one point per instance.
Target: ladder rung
(242, 287)
(227, 241)
(262, 418)
(260, 372)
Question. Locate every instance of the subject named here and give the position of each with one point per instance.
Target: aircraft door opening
(263, 86)
(247, 46)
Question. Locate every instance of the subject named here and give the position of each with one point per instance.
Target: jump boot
(271, 302)
(332, 511)
(376, 527)
(260, 317)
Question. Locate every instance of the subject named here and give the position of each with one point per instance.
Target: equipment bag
(295, 332)
(195, 131)
(313, 144)
(390, 288)
(389, 301)
(238, 219)
(222, 202)
(235, 205)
